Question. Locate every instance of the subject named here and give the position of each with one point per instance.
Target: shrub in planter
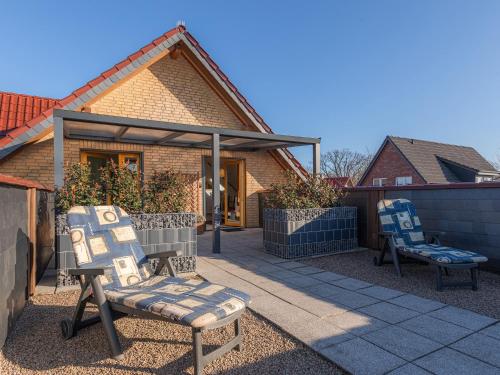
(296, 193)
(78, 189)
(166, 191)
(305, 218)
(122, 187)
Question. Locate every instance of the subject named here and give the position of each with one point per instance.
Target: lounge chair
(403, 235)
(116, 276)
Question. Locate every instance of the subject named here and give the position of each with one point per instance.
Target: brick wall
(169, 90)
(391, 164)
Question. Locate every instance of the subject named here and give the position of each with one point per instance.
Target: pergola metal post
(216, 214)
(316, 160)
(58, 152)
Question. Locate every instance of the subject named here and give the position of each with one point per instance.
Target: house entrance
(232, 191)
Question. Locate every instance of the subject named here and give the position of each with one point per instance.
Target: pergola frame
(217, 139)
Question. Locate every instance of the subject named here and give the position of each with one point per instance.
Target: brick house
(172, 80)
(404, 161)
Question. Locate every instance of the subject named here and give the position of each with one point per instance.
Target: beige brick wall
(169, 90)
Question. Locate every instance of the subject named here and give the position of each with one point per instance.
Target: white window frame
(379, 181)
(404, 180)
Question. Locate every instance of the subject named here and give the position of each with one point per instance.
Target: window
(406, 180)
(98, 160)
(484, 178)
(379, 181)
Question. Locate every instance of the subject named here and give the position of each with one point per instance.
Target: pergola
(91, 126)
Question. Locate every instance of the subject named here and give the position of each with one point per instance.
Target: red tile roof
(16, 181)
(18, 130)
(17, 109)
(339, 181)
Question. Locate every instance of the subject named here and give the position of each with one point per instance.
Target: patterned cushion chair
(403, 233)
(115, 275)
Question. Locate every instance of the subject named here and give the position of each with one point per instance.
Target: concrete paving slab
(462, 317)
(319, 334)
(419, 304)
(435, 329)
(401, 342)
(328, 276)
(284, 274)
(388, 312)
(351, 284)
(447, 361)
(291, 265)
(356, 323)
(308, 270)
(361, 357)
(381, 292)
(492, 331)
(324, 290)
(482, 347)
(409, 369)
(319, 307)
(302, 281)
(352, 299)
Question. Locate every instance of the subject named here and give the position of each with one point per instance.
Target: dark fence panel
(469, 214)
(45, 233)
(14, 251)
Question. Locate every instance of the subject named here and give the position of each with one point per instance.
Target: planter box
(308, 232)
(155, 232)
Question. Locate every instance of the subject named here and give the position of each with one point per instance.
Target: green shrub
(296, 193)
(122, 187)
(78, 189)
(166, 191)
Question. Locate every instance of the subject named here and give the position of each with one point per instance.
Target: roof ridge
(434, 142)
(26, 95)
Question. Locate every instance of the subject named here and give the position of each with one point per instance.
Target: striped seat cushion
(445, 254)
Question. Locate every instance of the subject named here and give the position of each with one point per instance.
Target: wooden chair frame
(93, 293)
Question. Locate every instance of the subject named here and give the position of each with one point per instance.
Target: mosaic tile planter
(156, 233)
(308, 232)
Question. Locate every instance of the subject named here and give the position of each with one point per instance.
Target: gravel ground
(150, 346)
(417, 279)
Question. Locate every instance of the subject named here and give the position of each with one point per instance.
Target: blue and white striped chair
(402, 230)
(115, 275)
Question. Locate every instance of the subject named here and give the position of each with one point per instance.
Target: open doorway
(232, 191)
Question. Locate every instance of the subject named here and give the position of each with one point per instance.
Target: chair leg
(439, 278)
(197, 352)
(378, 261)
(70, 327)
(107, 320)
(237, 333)
(474, 278)
(395, 259)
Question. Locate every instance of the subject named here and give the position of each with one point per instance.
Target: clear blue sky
(351, 72)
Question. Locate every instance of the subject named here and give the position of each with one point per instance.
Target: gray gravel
(150, 346)
(417, 279)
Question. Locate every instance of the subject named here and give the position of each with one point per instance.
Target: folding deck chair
(116, 276)
(403, 235)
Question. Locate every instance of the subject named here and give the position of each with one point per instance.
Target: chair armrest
(89, 271)
(387, 234)
(165, 261)
(433, 236)
(165, 254)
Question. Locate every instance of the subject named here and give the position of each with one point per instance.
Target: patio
(363, 327)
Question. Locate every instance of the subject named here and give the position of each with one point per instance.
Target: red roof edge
(17, 181)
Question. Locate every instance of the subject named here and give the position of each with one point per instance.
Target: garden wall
(295, 233)
(468, 213)
(24, 251)
(155, 232)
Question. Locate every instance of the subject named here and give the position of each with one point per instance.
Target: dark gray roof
(433, 160)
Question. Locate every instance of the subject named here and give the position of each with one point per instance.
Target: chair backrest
(400, 217)
(103, 236)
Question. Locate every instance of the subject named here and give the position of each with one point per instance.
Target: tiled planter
(308, 232)
(156, 233)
